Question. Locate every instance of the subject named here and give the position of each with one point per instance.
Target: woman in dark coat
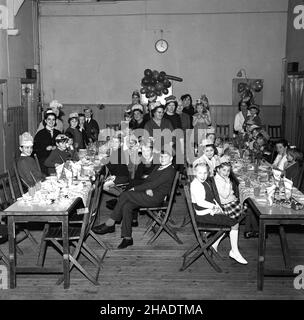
(44, 140)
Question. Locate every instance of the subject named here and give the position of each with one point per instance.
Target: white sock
(216, 243)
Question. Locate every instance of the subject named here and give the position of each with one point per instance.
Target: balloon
(148, 73)
(155, 74)
(143, 90)
(167, 83)
(165, 91)
(161, 78)
(159, 86)
(153, 82)
(145, 81)
(149, 95)
(241, 87)
(162, 73)
(158, 93)
(151, 88)
(257, 85)
(174, 78)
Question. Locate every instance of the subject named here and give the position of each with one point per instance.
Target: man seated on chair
(27, 167)
(150, 193)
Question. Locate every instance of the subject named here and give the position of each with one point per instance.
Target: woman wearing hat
(156, 126)
(170, 114)
(55, 106)
(73, 128)
(137, 121)
(44, 140)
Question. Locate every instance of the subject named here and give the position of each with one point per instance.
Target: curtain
(295, 111)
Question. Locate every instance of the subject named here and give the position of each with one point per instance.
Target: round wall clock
(161, 45)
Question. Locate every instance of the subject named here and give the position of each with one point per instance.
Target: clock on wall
(161, 45)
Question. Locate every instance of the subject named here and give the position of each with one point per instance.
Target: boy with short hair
(27, 167)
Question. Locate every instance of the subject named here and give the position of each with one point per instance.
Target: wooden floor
(152, 271)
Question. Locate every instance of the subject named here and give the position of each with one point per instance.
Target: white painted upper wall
(97, 52)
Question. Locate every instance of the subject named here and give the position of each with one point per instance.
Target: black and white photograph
(151, 155)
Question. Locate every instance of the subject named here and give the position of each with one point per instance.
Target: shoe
(237, 257)
(125, 243)
(103, 229)
(134, 223)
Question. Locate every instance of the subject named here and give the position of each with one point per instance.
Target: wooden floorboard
(152, 271)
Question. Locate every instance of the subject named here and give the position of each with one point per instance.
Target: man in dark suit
(151, 193)
(91, 126)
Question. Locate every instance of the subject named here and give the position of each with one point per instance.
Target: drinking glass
(31, 191)
(256, 190)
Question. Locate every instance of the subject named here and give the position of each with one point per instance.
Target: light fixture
(240, 74)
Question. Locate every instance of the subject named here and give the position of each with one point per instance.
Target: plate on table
(263, 168)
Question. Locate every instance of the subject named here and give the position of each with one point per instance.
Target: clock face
(161, 45)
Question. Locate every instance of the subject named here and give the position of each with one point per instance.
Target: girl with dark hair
(281, 158)
(208, 156)
(73, 128)
(293, 166)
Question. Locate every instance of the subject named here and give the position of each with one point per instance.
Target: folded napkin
(270, 193)
(277, 175)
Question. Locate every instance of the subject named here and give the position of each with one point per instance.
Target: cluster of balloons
(247, 89)
(155, 83)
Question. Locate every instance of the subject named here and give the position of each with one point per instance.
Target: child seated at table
(293, 166)
(281, 158)
(261, 148)
(219, 144)
(117, 165)
(27, 167)
(59, 155)
(208, 155)
(209, 211)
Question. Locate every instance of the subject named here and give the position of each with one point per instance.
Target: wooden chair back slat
(7, 194)
(223, 130)
(275, 131)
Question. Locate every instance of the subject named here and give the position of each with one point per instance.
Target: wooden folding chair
(78, 233)
(18, 179)
(21, 191)
(205, 236)
(275, 132)
(3, 234)
(37, 161)
(223, 130)
(7, 197)
(160, 216)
